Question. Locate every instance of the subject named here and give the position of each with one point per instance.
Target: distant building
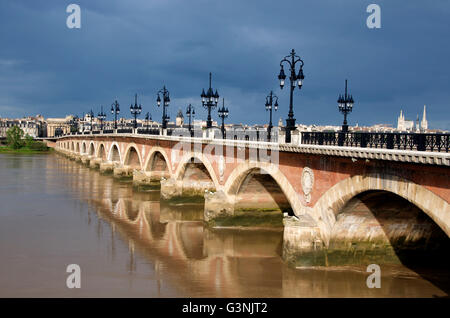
(403, 124)
(32, 126)
(58, 126)
(408, 125)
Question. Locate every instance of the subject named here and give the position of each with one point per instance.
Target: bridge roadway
(313, 183)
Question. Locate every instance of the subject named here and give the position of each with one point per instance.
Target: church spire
(424, 123)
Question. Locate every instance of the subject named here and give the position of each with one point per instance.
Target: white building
(30, 126)
(408, 125)
(403, 124)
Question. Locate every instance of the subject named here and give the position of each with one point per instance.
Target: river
(55, 212)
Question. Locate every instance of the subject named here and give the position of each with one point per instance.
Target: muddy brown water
(55, 212)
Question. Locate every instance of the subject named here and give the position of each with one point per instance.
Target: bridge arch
(132, 157)
(91, 149)
(241, 172)
(187, 159)
(333, 200)
(158, 160)
(101, 152)
(83, 148)
(114, 153)
(77, 147)
(72, 146)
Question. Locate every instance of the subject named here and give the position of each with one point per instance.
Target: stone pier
(123, 172)
(218, 204)
(190, 186)
(95, 163)
(302, 242)
(107, 167)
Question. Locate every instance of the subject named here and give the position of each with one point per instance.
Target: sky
(138, 46)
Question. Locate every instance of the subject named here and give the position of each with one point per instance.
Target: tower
(401, 121)
(424, 123)
(417, 124)
(180, 118)
(280, 122)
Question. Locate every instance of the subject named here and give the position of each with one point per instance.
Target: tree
(28, 141)
(14, 137)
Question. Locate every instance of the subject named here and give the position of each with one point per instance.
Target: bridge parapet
(399, 155)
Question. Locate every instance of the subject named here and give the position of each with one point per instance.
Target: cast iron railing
(125, 131)
(402, 141)
(148, 131)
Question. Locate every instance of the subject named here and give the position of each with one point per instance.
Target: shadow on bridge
(399, 232)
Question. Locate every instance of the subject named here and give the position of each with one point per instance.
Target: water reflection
(198, 261)
(56, 212)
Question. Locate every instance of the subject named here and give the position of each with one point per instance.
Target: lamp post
(91, 115)
(101, 116)
(83, 123)
(166, 102)
(270, 99)
(296, 79)
(345, 104)
(115, 109)
(223, 113)
(74, 124)
(135, 110)
(148, 117)
(209, 101)
(190, 112)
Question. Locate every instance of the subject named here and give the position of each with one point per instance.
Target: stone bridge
(314, 185)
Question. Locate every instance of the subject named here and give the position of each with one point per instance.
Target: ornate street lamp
(223, 113)
(135, 110)
(101, 116)
(270, 99)
(296, 79)
(115, 109)
(345, 104)
(190, 112)
(91, 115)
(166, 102)
(209, 101)
(148, 118)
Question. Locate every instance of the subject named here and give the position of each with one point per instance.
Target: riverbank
(24, 150)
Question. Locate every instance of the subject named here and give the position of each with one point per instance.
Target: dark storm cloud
(125, 47)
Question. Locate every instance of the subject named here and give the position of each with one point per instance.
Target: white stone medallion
(307, 183)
